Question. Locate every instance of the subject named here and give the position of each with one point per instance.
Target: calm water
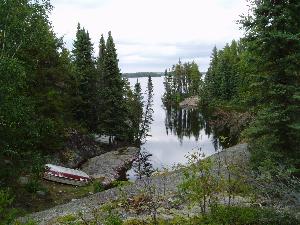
(174, 132)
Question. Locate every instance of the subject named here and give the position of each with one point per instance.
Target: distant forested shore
(143, 74)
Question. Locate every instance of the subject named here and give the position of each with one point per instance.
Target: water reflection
(184, 122)
(175, 132)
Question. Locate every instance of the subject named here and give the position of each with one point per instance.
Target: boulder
(109, 166)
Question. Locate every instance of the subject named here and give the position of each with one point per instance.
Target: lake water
(174, 132)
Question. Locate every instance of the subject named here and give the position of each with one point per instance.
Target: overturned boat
(66, 175)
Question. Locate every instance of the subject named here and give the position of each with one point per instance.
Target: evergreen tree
(223, 78)
(34, 87)
(272, 34)
(137, 114)
(113, 122)
(85, 79)
(194, 80)
(99, 103)
(182, 81)
(212, 84)
(148, 113)
(100, 61)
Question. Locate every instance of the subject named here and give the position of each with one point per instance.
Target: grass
(56, 194)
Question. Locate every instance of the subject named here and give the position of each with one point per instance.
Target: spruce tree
(211, 83)
(113, 122)
(99, 103)
(85, 79)
(194, 79)
(137, 111)
(272, 33)
(100, 59)
(148, 113)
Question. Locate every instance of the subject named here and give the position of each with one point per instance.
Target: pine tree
(272, 34)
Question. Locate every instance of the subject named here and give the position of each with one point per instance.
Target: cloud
(153, 33)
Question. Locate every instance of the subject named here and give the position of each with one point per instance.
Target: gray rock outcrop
(107, 167)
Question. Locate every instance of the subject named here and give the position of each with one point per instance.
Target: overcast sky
(151, 35)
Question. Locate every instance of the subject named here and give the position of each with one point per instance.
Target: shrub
(6, 213)
(98, 187)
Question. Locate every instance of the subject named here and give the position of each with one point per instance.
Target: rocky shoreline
(167, 183)
(108, 167)
(164, 183)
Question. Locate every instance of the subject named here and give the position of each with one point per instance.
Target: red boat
(66, 175)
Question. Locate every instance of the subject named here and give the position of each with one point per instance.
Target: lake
(174, 132)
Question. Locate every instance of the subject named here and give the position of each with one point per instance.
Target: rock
(78, 148)
(103, 139)
(41, 193)
(107, 167)
(191, 102)
(8, 162)
(23, 180)
(169, 182)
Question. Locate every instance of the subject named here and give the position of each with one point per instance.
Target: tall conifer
(113, 122)
(272, 33)
(85, 79)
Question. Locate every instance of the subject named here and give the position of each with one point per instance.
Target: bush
(228, 215)
(33, 186)
(6, 213)
(98, 187)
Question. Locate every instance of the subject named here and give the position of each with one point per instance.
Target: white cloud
(146, 31)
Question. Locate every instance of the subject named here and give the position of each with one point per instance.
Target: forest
(142, 74)
(257, 75)
(48, 91)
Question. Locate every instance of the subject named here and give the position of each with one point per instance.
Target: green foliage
(7, 214)
(272, 38)
(183, 80)
(247, 215)
(121, 183)
(142, 165)
(136, 111)
(226, 215)
(222, 81)
(199, 185)
(260, 74)
(32, 112)
(85, 88)
(98, 186)
(113, 220)
(33, 186)
(113, 115)
(142, 74)
(147, 116)
(68, 220)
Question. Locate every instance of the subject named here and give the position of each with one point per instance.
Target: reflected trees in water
(189, 122)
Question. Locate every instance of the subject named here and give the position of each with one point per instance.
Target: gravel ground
(167, 183)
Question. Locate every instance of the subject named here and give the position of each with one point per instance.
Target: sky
(151, 35)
